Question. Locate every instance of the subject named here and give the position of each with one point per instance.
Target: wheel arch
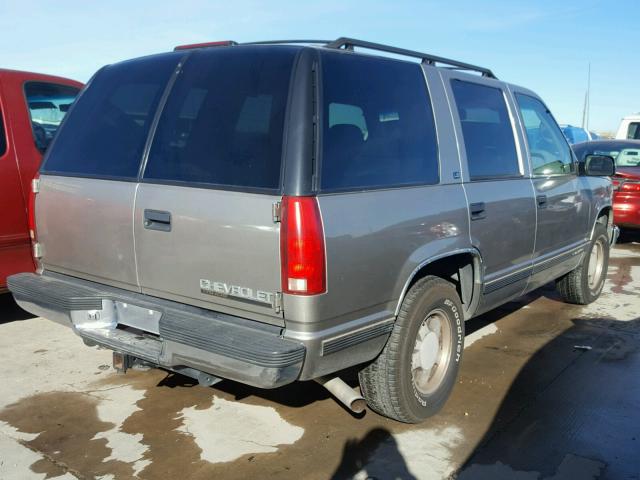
(604, 217)
(461, 267)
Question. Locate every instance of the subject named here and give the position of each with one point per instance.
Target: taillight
(35, 186)
(302, 247)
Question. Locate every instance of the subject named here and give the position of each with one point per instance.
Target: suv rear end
(178, 219)
(254, 212)
(158, 196)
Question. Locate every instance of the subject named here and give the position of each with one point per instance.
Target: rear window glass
(486, 130)
(106, 131)
(48, 103)
(378, 125)
(223, 123)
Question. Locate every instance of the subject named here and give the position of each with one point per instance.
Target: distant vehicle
(578, 134)
(629, 128)
(270, 213)
(626, 182)
(32, 106)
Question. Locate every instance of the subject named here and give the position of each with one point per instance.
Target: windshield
(48, 103)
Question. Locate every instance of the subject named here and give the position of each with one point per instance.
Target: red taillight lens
(629, 186)
(302, 247)
(32, 207)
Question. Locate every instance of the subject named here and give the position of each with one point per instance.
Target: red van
(32, 106)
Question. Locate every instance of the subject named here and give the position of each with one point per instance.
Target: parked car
(32, 106)
(629, 128)
(578, 134)
(626, 182)
(270, 213)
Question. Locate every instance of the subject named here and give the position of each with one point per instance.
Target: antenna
(585, 110)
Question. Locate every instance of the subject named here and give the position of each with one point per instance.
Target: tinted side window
(224, 120)
(550, 153)
(378, 127)
(3, 137)
(106, 131)
(48, 103)
(486, 130)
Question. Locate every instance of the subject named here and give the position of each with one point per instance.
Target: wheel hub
(431, 352)
(596, 265)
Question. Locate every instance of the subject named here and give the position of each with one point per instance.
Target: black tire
(388, 384)
(575, 287)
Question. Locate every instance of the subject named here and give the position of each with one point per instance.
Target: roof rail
(350, 43)
(275, 42)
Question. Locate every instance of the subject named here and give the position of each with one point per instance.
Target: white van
(629, 128)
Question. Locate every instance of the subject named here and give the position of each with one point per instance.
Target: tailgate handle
(157, 220)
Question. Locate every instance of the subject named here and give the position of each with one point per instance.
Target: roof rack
(275, 42)
(350, 43)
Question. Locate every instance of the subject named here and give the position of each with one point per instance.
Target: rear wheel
(415, 373)
(584, 284)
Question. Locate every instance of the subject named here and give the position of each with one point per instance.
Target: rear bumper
(164, 333)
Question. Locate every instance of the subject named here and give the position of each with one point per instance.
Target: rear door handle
(541, 200)
(157, 220)
(477, 211)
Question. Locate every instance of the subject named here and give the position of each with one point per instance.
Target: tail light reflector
(302, 247)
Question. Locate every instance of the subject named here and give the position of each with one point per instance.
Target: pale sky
(543, 45)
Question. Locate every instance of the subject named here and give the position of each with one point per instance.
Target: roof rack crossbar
(350, 43)
(275, 42)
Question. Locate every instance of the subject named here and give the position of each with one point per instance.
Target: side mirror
(598, 166)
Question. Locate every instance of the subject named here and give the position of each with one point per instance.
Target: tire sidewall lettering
(453, 313)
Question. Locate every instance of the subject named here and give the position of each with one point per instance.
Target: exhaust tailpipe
(349, 397)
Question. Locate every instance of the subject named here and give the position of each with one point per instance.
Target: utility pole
(585, 110)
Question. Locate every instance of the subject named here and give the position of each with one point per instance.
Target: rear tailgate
(84, 210)
(204, 228)
(221, 252)
(85, 228)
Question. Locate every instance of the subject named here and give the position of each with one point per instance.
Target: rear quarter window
(105, 133)
(378, 127)
(223, 123)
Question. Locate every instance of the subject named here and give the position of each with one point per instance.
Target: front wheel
(413, 376)
(584, 284)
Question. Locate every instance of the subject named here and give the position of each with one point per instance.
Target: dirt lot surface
(546, 391)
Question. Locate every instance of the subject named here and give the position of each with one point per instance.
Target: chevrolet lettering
(222, 289)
